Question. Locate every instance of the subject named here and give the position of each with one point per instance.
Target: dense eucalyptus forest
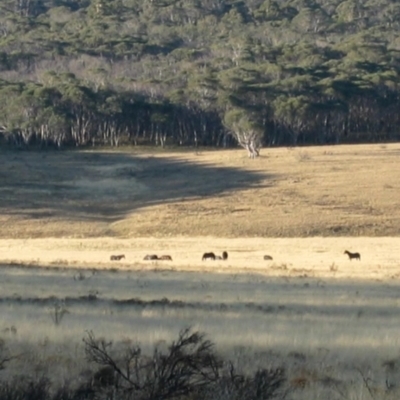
(199, 72)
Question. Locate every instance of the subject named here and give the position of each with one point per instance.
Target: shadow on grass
(104, 186)
(343, 319)
(313, 298)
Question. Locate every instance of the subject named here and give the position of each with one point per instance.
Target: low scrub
(187, 369)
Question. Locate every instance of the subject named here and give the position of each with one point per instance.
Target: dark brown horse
(208, 256)
(225, 255)
(166, 257)
(267, 257)
(117, 258)
(151, 257)
(353, 255)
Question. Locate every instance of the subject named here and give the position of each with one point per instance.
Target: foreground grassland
(327, 334)
(315, 191)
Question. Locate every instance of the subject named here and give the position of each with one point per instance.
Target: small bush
(187, 369)
(58, 312)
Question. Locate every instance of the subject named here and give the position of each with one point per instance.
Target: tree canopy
(190, 72)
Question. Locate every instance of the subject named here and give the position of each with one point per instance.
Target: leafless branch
(366, 383)
(189, 364)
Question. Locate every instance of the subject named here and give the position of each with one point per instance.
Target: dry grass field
(316, 191)
(303, 206)
(328, 334)
(331, 322)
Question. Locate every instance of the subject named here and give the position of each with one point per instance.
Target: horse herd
(155, 257)
(119, 257)
(213, 256)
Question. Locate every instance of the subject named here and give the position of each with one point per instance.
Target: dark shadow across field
(170, 287)
(103, 186)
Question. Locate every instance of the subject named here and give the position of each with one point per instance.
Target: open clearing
(302, 206)
(302, 257)
(331, 322)
(316, 191)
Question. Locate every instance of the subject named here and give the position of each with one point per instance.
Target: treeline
(190, 72)
(69, 113)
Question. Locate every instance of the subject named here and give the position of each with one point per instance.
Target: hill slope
(328, 191)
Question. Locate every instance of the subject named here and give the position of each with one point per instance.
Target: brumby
(353, 255)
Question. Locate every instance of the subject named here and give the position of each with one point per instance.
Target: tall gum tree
(246, 129)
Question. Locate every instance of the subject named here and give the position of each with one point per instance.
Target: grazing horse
(225, 255)
(353, 255)
(267, 257)
(166, 257)
(207, 256)
(117, 258)
(150, 257)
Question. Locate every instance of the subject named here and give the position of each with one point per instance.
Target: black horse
(208, 256)
(353, 255)
(117, 258)
(225, 255)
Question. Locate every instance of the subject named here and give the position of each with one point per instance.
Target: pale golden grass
(314, 191)
(343, 190)
(91, 204)
(304, 257)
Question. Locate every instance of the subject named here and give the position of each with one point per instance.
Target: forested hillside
(192, 72)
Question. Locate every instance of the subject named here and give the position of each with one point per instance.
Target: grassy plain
(332, 322)
(303, 206)
(287, 192)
